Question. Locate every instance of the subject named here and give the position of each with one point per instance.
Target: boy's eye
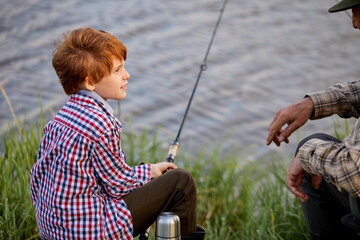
(118, 68)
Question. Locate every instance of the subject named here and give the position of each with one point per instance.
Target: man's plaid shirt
(338, 163)
(80, 176)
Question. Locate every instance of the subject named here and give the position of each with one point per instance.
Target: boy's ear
(88, 84)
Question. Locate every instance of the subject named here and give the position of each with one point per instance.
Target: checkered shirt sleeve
(338, 163)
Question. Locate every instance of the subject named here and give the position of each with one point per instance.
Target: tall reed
(2, 90)
(18, 154)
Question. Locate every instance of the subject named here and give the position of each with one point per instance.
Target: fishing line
(349, 15)
(175, 144)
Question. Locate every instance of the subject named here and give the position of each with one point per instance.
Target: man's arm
(341, 99)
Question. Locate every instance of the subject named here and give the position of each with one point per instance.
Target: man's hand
(294, 116)
(158, 168)
(295, 174)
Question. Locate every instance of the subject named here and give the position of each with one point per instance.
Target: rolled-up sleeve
(341, 99)
(333, 161)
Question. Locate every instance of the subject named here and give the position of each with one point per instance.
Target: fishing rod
(174, 147)
(175, 144)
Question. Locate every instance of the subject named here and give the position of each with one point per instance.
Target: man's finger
(297, 191)
(274, 127)
(286, 133)
(294, 184)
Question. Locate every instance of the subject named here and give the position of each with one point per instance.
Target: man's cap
(344, 5)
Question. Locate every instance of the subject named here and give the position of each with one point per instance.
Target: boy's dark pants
(326, 206)
(174, 191)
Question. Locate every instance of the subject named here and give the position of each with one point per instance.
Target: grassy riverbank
(236, 200)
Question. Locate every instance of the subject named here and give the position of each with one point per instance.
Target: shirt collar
(97, 97)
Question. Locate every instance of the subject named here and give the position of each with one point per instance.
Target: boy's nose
(127, 76)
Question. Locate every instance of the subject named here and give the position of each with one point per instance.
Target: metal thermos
(168, 227)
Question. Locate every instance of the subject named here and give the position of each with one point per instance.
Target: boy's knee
(183, 174)
(184, 177)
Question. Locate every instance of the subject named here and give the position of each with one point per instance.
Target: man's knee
(321, 136)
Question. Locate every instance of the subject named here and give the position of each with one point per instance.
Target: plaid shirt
(80, 176)
(338, 163)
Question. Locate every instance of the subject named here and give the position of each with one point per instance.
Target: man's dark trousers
(326, 206)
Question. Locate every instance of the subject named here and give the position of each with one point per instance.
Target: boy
(81, 186)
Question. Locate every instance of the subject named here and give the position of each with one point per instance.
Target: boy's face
(114, 85)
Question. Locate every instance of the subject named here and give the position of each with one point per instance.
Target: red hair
(85, 52)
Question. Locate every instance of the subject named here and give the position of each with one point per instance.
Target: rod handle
(174, 147)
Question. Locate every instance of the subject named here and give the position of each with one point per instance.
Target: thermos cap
(168, 226)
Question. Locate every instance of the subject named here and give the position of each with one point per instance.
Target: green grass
(18, 154)
(236, 199)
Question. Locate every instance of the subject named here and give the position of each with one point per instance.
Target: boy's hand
(158, 168)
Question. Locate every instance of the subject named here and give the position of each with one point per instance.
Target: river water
(266, 55)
